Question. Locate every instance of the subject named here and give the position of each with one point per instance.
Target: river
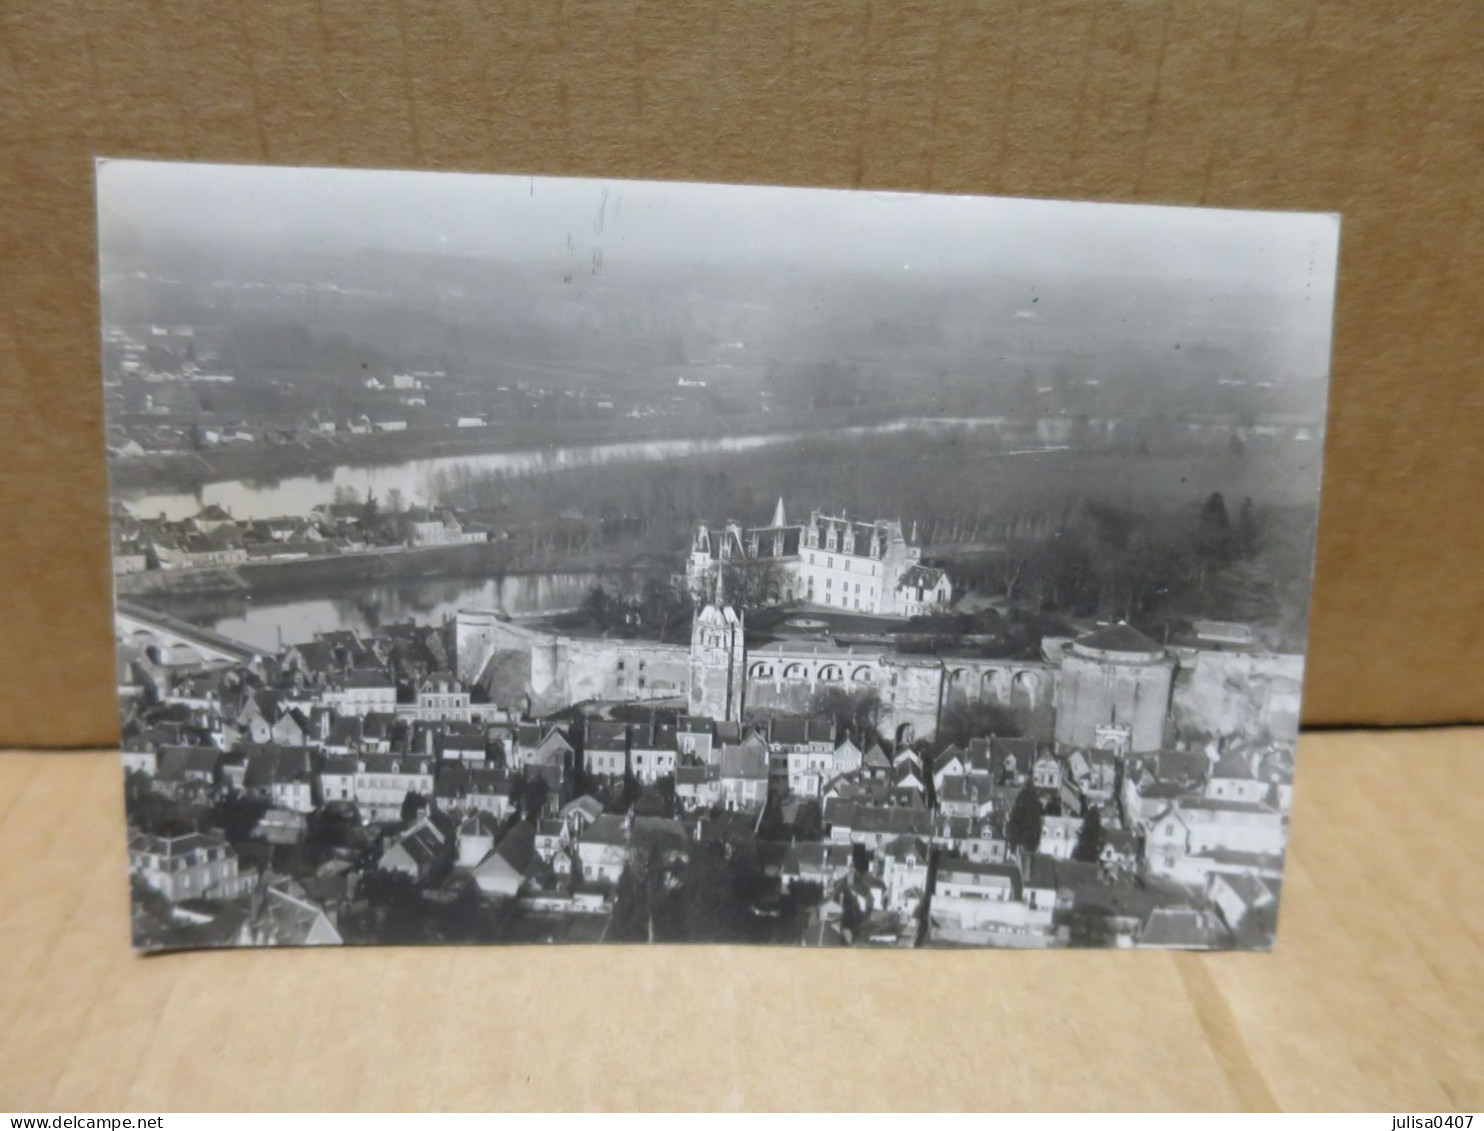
(267, 622)
(249, 500)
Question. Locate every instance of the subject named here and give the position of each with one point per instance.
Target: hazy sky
(525, 218)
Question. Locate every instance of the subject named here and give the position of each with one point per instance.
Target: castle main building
(830, 561)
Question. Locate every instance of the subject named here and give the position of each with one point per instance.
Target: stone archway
(1025, 690)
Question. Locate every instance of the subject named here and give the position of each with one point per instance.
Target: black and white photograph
(512, 559)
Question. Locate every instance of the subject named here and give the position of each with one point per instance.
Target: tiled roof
(607, 829)
(816, 857)
(875, 819)
(479, 824)
(905, 846)
(789, 731)
(588, 806)
(175, 762)
(741, 762)
(1177, 927)
(345, 732)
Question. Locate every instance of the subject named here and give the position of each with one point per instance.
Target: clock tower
(717, 656)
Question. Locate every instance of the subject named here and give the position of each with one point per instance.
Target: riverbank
(344, 571)
(270, 463)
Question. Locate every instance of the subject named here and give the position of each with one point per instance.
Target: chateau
(830, 561)
(1112, 688)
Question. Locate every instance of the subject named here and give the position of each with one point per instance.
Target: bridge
(177, 643)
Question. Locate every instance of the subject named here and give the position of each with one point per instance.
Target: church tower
(717, 659)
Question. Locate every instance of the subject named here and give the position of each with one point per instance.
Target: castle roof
(925, 577)
(1118, 638)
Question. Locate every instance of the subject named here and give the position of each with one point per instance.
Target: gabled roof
(1176, 927)
(315, 656)
(967, 789)
(586, 805)
(487, 783)
(421, 843)
(290, 921)
(175, 762)
(745, 763)
(662, 832)
(816, 857)
(1249, 889)
(267, 765)
(460, 742)
(607, 829)
(642, 737)
(479, 824)
(1232, 765)
(438, 682)
(905, 846)
(1050, 873)
(946, 756)
(608, 736)
(878, 819)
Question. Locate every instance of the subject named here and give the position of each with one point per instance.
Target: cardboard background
(1372, 1001)
(1372, 110)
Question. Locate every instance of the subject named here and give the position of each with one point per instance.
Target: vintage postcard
(507, 560)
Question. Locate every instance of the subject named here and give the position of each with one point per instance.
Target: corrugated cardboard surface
(1372, 110)
(1373, 1000)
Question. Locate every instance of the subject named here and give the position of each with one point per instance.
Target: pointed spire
(778, 516)
(913, 539)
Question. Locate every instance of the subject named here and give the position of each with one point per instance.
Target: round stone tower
(1114, 678)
